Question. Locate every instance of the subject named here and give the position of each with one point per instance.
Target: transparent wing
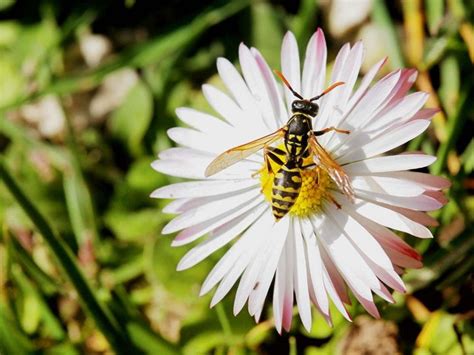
(240, 152)
(335, 171)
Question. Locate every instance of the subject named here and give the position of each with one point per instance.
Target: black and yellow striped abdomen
(285, 190)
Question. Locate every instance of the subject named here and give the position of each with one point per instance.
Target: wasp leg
(277, 151)
(270, 153)
(308, 166)
(338, 206)
(329, 129)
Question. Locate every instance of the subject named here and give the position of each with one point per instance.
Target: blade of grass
(266, 31)
(151, 52)
(454, 128)
(21, 256)
(434, 14)
(305, 20)
(78, 198)
(116, 336)
(381, 17)
(223, 320)
(51, 324)
(12, 339)
(413, 23)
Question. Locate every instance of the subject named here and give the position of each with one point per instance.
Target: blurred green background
(87, 92)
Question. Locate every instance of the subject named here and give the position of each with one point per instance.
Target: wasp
(300, 142)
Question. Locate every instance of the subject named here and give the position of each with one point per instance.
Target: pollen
(314, 188)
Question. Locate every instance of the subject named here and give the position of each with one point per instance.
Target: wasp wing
(240, 152)
(335, 171)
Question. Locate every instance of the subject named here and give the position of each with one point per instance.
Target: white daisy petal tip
(336, 235)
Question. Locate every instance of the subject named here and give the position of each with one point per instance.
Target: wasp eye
(297, 105)
(314, 109)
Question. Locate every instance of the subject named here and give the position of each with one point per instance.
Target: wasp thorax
(305, 106)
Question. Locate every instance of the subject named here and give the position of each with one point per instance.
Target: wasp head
(305, 106)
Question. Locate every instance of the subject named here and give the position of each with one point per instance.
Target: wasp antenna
(333, 86)
(282, 77)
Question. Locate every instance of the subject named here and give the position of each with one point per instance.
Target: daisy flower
(331, 240)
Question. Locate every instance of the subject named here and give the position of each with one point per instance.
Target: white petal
(279, 291)
(301, 279)
(220, 237)
(367, 301)
(352, 267)
(195, 232)
(203, 122)
(195, 169)
(175, 206)
(256, 84)
(417, 203)
(396, 248)
(427, 181)
(400, 112)
(239, 90)
(329, 103)
(370, 103)
(191, 138)
(182, 153)
(331, 287)
(249, 279)
(223, 104)
(218, 207)
(202, 188)
(316, 274)
(264, 263)
(314, 69)
(334, 274)
(364, 85)
(360, 237)
(180, 168)
(348, 73)
(386, 142)
(390, 218)
(245, 245)
(279, 110)
(290, 66)
(389, 163)
(258, 295)
(288, 286)
(386, 185)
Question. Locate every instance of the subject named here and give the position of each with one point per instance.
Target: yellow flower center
(314, 187)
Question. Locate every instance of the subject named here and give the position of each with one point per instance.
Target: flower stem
(223, 320)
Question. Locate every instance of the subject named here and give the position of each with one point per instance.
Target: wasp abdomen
(285, 191)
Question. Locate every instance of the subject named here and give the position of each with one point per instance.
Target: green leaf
(320, 329)
(12, 339)
(43, 280)
(79, 206)
(148, 341)
(5, 4)
(142, 177)
(305, 20)
(450, 84)
(130, 121)
(267, 31)
(11, 81)
(468, 158)
(434, 14)
(128, 225)
(36, 309)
